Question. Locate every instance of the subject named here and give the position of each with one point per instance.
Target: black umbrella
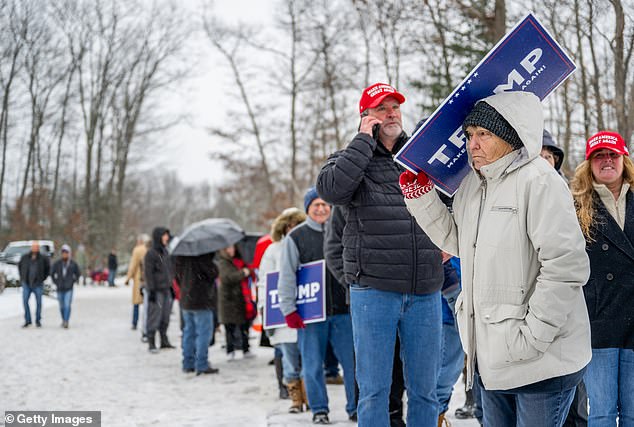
(205, 237)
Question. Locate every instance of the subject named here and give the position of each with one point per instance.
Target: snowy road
(99, 364)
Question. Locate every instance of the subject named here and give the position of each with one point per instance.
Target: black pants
(237, 336)
(398, 384)
(578, 414)
(158, 315)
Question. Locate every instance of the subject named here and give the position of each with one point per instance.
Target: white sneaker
(248, 355)
(231, 356)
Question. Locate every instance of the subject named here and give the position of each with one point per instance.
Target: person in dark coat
(394, 270)
(603, 190)
(305, 244)
(112, 267)
(552, 153)
(65, 273)
(196, 277)
(158, 283)
(232, 308)
(34, 268)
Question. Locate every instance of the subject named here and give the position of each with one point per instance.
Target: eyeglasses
(603, 156)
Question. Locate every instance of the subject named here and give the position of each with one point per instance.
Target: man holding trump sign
(304, 244)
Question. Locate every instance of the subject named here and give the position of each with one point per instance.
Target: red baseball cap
(604, 139)
(373, 95)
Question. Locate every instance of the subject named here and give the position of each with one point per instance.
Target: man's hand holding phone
(368, 124)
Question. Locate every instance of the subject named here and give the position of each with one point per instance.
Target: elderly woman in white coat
(521, 314)
(284, 337)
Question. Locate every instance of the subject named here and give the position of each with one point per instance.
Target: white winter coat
(271, 262)
(521, 312)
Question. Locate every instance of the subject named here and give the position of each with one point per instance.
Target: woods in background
(83, 88)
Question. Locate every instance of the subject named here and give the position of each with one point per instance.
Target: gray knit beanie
(483, 115)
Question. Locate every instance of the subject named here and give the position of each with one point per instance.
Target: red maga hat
(604, 139)
(373, 95)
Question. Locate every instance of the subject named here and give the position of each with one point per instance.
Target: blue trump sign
(311, 300)
(526, 59)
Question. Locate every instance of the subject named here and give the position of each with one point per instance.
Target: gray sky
(205, 96)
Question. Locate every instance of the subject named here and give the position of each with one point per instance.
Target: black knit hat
(483, 115)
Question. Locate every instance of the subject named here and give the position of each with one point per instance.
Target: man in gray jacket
(304, 244)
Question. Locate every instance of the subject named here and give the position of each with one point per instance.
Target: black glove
(173, 293)
(152, 296)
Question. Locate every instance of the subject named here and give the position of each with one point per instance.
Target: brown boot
(304, 396)
(442, 421)
(295, 392)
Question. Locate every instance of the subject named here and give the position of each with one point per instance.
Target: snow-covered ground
(100, 364)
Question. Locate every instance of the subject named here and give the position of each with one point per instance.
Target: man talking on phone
(394, 270)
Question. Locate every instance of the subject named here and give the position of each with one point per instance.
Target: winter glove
(294, 321)
(152, 296)
(414, 186)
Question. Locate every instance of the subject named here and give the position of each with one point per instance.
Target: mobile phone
(375, 131)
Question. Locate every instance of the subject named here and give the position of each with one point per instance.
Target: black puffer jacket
(383, 247)
(157, 264)
(196, 276)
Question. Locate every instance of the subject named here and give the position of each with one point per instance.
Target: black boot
(165, 342)
(279, 374)
(151, 339)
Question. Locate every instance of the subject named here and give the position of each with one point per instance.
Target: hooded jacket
(521, 312)
(157, 265)
(383, 247)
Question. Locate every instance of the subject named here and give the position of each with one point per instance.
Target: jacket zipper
(483, 187)
(414, 255)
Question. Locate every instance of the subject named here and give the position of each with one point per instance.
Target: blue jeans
(290, 361)
(111, 276)
(196, 336)
(610, 384)
(377, 316)
(452, 361)
(542, 404)
(312, 344)
(27, 290)
(135, 314)
(65, 298)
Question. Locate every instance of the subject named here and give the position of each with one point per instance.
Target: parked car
(11, 255)
(14, 250)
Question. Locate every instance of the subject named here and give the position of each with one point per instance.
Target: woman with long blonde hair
(603, 189)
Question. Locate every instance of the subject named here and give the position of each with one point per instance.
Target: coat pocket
(504, 332)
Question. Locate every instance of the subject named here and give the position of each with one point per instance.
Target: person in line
(288, 367)
(452, 356)
(304, 244)
(603, 191)
(232, 308)
(34, 268)
(394, 270)
(196, 276)
(521, 314)
(552, 153)
(578, 413)
(135, 273)
(113, 264)
(158, 274)
(65, 273)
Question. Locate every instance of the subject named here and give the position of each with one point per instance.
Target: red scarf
(249, 305)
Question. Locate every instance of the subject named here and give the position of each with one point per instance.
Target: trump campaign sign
(311, 295)
(526, 59)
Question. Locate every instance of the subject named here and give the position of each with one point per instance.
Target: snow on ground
(100, 364)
